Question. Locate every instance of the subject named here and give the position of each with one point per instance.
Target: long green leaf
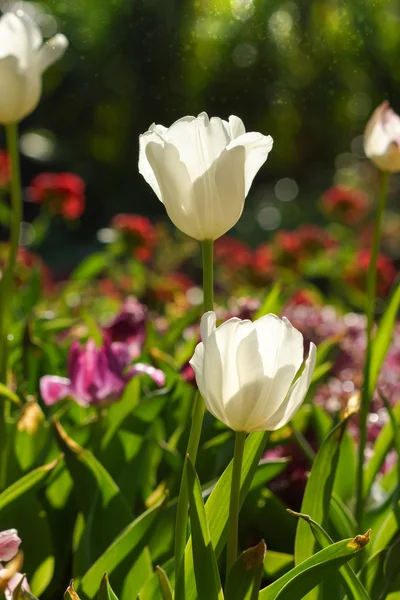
(318, 491)
(28, 483)
(383, 339)
(104, 509)
(352, 584)
(7, 393)
(382, 445)
(245, 576)
(272, 302)
(105, 591)
(165, 586)
(302, 579)
(389, 528)
(217, 509)
(127, 542)
(208, 583)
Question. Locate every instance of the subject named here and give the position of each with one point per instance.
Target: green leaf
(70, 593)
(27, 484)
(318, 491)
(131, 539)
(105, 591)
(272, 302)
(151, 589)
(352, 584)
(92, 266)
(389, 528)
(383, 444)
(10, 395)
(217, 509)
(304, 577)
(208, 582)
(104, 509)
(267, 470)
(244, 578)
(277, 564)
(383, 339)
(165, 586)
(341, 517)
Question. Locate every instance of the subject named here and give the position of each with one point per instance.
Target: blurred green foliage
(307, 72)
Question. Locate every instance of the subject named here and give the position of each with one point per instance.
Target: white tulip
(382, 138)
(202, 169)
(246, 372)
(23, 59)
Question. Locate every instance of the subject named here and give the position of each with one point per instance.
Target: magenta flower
(97, 375)
(9, 544)
(129, 326)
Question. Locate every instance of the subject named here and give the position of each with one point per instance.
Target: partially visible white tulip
(202, 169)
(382, 138)
(23, 59)
(246, 372)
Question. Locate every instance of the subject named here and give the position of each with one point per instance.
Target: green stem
(195, 430)
(370, 313)
(234, 504)
(7, 286)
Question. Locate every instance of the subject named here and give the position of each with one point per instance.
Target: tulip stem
(7, 284)
(195, 430)
(370, 313)
(208, 275)
(234, 504)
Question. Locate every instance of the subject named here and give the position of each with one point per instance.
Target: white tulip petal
(236, 126)
(382, 138)
(160, 129)
(207, 325)
(19, 37)
(257, 147)
(294, 399)
(145, 168)
(230, 186)
(280, 347)
(51, 51)
(19, 92)
(176, 189)
(200, 142)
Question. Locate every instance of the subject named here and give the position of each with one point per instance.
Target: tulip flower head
(23, 59)
(9, 544)
(246, 372)
(129, 326)
(97, 376)
(202, 169)
(382, 139)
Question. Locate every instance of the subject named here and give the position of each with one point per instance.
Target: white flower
(23, 59)
(246, 371)
(202, 169)
(382, 138)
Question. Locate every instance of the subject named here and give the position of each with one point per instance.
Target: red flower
(4, 168)
(138, 232)
(63, 193)
(349, 205)
(232, 253)
(314, 239)
(262, 259)
(356, 272)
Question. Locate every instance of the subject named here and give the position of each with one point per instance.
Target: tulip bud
(9, 544)
(202, 169)
(23, 59)
(246, 372)
(382, 138)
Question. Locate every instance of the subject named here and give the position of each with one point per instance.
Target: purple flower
(129, 326)
(97, 375)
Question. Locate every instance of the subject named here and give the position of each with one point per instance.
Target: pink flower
(9, 544)
(97, 375)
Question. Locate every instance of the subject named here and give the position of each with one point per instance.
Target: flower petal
(176, 191)
(19, 37)
(156, 375)
(51, 51)
(294, 399)
(145, 168)
(257, 147)
(207, 325)
(225, 211)
(54, 388)
(9, 544)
